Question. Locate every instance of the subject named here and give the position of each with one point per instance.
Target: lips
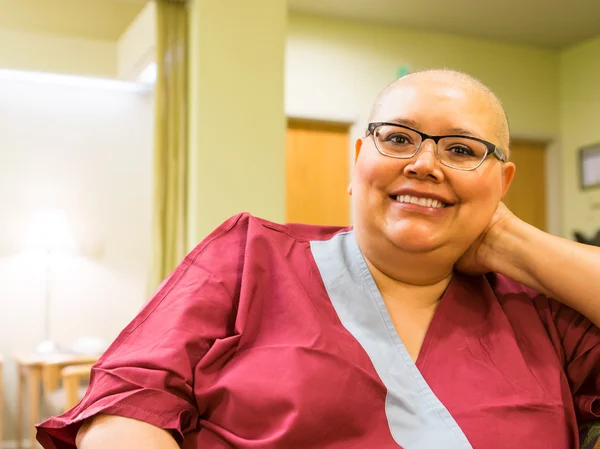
(421, 201)
(422, 198)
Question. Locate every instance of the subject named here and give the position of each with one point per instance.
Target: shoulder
(241, 230)
(245, 236)
(505, 287)
(509, 291)
(519, 298)
(240, 239)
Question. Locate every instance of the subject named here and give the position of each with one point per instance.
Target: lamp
(49, 233)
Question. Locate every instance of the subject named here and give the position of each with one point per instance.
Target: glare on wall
(148, 75)
(72, 80)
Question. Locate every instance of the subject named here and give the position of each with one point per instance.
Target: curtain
(170, 139)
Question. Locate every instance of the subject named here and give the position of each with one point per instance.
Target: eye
(398, 139)
(460, 150)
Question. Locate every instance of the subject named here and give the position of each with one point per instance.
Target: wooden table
(32, 370)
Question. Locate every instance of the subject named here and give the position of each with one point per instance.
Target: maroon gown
(275, 336)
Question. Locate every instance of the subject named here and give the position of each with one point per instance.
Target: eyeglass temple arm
(499, 154)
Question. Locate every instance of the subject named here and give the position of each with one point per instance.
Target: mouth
(420, 201)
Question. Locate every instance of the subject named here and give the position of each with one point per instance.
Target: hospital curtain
(170, 139)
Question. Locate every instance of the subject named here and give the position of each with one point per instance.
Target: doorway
(317, 173)
(526, 197)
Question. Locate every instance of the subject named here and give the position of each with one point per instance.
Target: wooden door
(526, 197)
(317, 173)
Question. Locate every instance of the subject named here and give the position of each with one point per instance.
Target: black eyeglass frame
(491, 148)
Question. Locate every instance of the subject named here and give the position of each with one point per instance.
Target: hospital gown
(275, 336)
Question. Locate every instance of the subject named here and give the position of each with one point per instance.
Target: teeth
(425, 202)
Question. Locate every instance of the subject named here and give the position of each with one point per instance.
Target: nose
(425, 165)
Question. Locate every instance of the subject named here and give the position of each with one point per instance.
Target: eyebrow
(463, 132)
(406, 122)
(450, 132)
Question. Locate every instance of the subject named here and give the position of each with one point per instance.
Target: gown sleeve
(580, 343)
(576, 341)
(148, 372)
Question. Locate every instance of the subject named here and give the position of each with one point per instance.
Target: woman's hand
(479, 258)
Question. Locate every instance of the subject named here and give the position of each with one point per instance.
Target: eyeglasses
(458, 152)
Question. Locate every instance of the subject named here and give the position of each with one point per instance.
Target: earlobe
(508, 174)
(350, 189)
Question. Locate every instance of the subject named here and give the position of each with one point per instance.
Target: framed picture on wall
(589, 166)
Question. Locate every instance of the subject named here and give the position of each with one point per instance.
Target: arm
(558, 268)
(149, 372)
(105, 431)
(564, 272)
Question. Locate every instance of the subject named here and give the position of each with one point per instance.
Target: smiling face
(435, 103)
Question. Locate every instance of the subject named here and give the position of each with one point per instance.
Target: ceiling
(549, 23)
(92, 19)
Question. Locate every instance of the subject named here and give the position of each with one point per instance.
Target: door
(317, 173)
(526, 197)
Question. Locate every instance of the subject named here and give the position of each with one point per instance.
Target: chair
(62, 384)
(594, 241)
(590, 436)
(72, 378)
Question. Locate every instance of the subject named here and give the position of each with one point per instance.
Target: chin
(414, 239)
(415, 246)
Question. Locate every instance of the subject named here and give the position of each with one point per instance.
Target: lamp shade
(49, 230)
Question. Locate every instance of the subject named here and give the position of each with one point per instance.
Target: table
(32, 370)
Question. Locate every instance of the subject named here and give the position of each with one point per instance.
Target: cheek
(483, 185)
(375, 171)
(479, 196)
(371, 179)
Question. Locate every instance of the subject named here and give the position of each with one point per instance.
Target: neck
(407, 295)
(415, 279)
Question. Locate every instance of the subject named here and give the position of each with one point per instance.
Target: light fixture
(71, 80)
(50, 231)
(50, 234)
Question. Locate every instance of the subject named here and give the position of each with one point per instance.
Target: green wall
(579, 126)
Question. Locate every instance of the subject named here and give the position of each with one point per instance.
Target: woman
(271, 336)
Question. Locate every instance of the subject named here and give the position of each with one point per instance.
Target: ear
(508, 174)
(357, 147)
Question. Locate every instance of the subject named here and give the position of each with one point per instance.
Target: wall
(135, 48)
(237, 122)
(579, 118)
(124, 58)
(57, 54)
(335, 68)
(86, 150)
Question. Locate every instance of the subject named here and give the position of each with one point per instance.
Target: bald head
(456, 79)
